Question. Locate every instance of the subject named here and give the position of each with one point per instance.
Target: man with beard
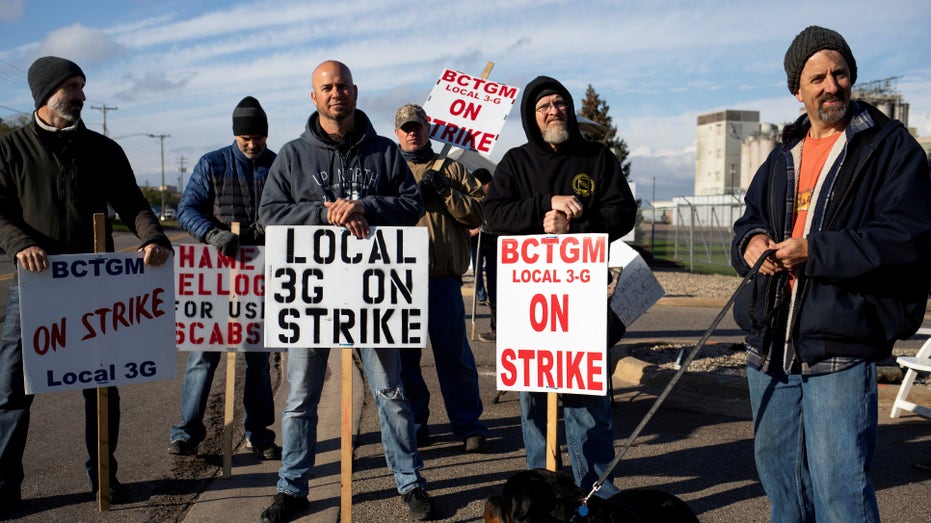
(453, 205)
(560, 183)
(55, 174)
(840, 211)
(225, 187)
(339, 172)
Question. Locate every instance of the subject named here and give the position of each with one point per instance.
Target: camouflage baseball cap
(410, 113)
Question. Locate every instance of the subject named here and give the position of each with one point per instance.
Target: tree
(596, 110)
(7, 125)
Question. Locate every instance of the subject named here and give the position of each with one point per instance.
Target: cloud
(11, 10)
(85, 45)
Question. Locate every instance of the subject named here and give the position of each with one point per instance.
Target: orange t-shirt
(815, 153)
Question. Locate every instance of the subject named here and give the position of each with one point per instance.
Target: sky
(179, 67)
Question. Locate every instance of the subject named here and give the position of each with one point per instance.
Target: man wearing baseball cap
(40, 216)
(840, 212)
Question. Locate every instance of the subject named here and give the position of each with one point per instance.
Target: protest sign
(637, 288)
(468, 111)
(552, 313)
(96, 320)
(327, 288)
(220, 301)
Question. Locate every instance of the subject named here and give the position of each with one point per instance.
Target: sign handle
(103, 398)
(229, 404)
(345, 453)
(551, 421)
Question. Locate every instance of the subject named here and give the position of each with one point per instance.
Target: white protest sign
(552, 313)
(326, 288)
(220, 301)
(468, 111)
(96, 320)
(637, 288)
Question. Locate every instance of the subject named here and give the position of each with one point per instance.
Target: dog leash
(582, 511)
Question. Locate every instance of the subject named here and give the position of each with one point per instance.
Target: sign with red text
(96, 320)
(468, 111)
(219, 301)
(552, 313)
(326, 288)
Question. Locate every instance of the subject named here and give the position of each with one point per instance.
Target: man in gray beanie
(40, 216)
(225, 187)
(839, 221)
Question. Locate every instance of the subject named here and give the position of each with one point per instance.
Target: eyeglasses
(560, 106)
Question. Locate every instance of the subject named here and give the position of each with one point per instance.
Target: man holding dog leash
(840, 210)
(560, 183)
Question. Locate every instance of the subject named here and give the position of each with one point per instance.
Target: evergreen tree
(7, 125)
(596, 110)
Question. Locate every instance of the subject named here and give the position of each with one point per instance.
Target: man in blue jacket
(339, 172)
(225, 187)
(841, 206)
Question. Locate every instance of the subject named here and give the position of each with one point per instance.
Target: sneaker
(475, 443)
(489, 336)
(182, 447)
(116, 491)
(283, 508)
(267, 450)
(418, 503)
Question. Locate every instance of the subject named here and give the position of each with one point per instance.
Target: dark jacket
(312, 169)
(52, 184)
(528, 177)
(225, 187)
(866, 280)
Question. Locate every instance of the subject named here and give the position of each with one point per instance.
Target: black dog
(543, 496)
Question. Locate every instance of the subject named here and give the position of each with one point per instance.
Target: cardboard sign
(327, 288)
(468, 111)
(220, 301)
(637, 288)
(552, 313)
(95, 320)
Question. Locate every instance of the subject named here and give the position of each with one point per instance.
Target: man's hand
(755, 248)
(349, 214)
(225, 241)
(555, 222)
(792, 254)
(568, 205)
(155, 255)
(32, 258)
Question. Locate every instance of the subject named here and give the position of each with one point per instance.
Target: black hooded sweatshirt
(529, 176)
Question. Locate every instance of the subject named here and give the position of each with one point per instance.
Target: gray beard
(63, 111)
(556, 134)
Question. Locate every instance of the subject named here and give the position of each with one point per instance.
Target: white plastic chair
(921, 362)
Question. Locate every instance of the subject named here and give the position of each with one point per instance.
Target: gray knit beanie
(809, 42)
(249, 118)
(47, 73)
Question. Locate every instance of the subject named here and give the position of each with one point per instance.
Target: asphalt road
(698, 446)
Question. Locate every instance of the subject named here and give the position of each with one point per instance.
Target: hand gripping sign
(96, 320)
(552, 313)
(468, 111)
(327, 288)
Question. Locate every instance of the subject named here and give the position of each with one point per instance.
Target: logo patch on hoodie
(583, 184)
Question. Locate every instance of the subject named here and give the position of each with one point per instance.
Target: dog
(543, 496)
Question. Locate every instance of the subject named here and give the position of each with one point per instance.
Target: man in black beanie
(225, 187)
(40, 216)
(840, 212)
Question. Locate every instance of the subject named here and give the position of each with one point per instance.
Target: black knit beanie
(809, 42)
(249, 119)
(47, 73)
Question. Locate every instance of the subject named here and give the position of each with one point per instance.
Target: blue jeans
(589, 436)
(306, 374)
(455, 365)
(814, 440)
(257, 399)
(15, 403)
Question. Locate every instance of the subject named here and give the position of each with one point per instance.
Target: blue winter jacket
(226, 187)
(866, 280)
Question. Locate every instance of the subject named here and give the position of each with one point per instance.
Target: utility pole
(104, 108)
(181, 170)
(161, 138)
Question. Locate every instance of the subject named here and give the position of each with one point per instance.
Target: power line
(104, 108)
